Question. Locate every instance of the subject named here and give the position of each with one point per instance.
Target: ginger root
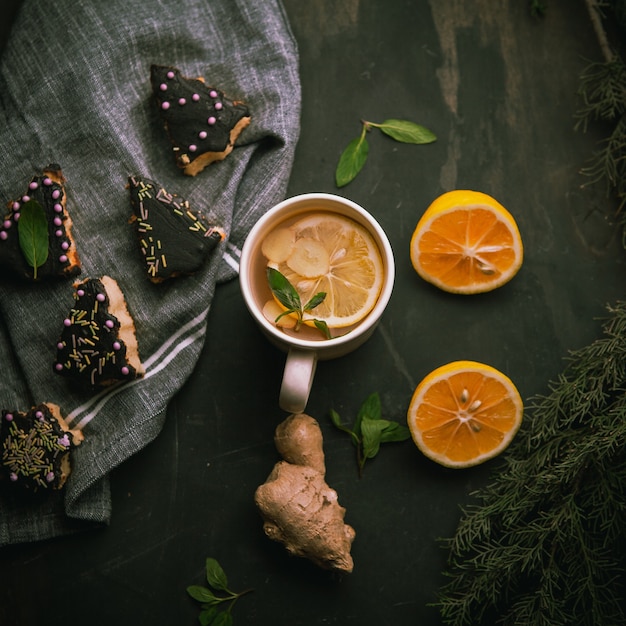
(298, 508)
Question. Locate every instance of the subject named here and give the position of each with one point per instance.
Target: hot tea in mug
(334, 256)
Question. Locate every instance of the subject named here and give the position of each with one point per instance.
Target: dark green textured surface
(499, 90)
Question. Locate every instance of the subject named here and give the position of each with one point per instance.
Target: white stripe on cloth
(234, 249)
(232, 262)
(155, 363)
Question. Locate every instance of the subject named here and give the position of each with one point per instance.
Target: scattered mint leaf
(393, 432)
(215, 575)
(202, 594)
(207, 616)
(370, 430)
(289, 297)
(210, 614)
(33, 234)
(406, 132)
(371, 408)
(223, 619)
(336, 420)
(352, 159)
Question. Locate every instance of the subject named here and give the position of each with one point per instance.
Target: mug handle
(297, 380)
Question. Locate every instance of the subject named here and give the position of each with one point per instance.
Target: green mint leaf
(351, 161)
(370, 408)
(223, 619)
(207, 616)
(210, 615)
(215, 575)
(284, 291)
(279, 317)
(33, 234)
(336, 420)
(406, 132)
(371, 430)
(289, 297)
(202, 594)
(316, 300)
(393, 431)
(322, 326)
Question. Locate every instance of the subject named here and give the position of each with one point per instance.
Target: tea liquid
(260, 286)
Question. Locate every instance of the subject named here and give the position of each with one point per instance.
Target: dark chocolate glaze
(173, 239)
(197, 118)
(90, 350)
(33, 446)
(48, 190)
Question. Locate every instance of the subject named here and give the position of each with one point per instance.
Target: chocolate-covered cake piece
(47, 248)
(35, 447)
(98, 346)
(174, 239)
(201, 122)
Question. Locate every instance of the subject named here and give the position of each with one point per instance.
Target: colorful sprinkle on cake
(201, 122)
(174, 240)
(35, 447)
(97, 346)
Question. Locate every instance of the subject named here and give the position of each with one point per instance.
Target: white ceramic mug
(303, 354)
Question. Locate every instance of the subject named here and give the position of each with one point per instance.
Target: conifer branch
(545, 544)
(603, 92)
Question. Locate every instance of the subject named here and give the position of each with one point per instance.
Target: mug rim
(371, 319)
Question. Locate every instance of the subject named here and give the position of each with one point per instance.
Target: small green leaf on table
(370, 430)
(355, 154)
(210, 600)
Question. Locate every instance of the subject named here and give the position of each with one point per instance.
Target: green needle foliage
(546, 544)
(603, 90)
(603, 93)
(213, 597)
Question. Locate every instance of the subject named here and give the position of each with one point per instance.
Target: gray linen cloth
(75, 90)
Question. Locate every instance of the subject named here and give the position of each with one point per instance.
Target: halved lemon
(333, 254)
(466, 242)
(464, 413)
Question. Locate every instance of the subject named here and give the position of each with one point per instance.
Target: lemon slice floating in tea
(466, 242)
(332, 254)
(464, 413)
